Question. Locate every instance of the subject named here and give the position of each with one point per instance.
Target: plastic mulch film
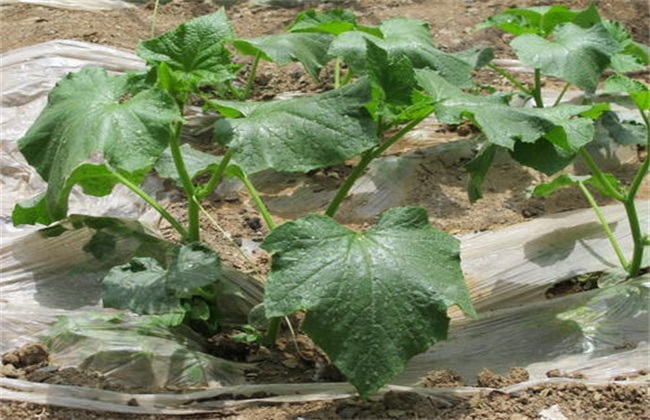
(89, 5)
(52, 273)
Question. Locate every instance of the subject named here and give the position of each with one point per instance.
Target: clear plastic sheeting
(53, 273)
(89, 5)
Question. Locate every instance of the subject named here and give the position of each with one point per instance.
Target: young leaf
(194, 52)
(393, 83)
(542, 155)
(145, 287)
(575, 55)
(298, 135)
(310, 49)
(631, 55)
(478, 169)
(95, 124)
(373, 299)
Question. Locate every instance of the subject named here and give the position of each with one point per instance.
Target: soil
(440, 188)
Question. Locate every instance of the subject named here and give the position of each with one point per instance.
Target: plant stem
(337, 73)
(537, 90)
(595, 170)
(271, 332)
(259, 203)
(511, 79)
(604, 224)
(366, 158)
(640, 240)
(154, 18)
(153, 203)
(559, 98)
(251, 77)
(192, 208)
(216, 177)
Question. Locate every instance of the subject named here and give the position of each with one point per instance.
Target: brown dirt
(505, 203)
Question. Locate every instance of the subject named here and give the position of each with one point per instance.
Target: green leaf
(95, 124)
(575, 55)
(540, 20)
(194, 52)
(476, 57)
(478, 169)
(609, 128)
(403, 38)
(631, 55)
(542, 155)
(146, 287)
(393, 83)
(505, 125)
(566, 180)
(196, 163)
(637, 90)
(310, 49)
(374, 299)
(302, 134)
(332, 21)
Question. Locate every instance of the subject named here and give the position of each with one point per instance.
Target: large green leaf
(310, 49)
(575, 54)
(146, 287)
(374, 299)
(194, 52)
(403, 38)
(95, 124)
(298, 135)
(505, 125)
(540, 20)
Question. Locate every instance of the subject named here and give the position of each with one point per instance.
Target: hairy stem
(154, 204)
(604, 224)
(186, 180)
(510, 78)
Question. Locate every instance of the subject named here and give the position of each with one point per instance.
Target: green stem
(337, 73)
(251, 77)
(366, 158)
(216, 177)
(186, 180)
(640, 240)
(604, 224)
(559, 98)
(153, 203)
(511, 79)
(537, 90)
(154, 18)
(595, 170)
(259, 203)
(271, 332)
